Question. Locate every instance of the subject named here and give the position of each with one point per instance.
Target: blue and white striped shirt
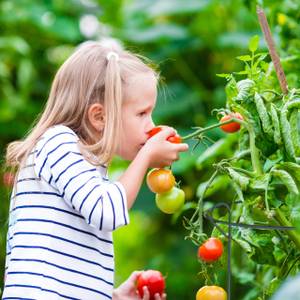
(59, 241)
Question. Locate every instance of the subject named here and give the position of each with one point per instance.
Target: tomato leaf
(253, 44)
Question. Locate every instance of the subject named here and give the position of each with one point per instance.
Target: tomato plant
(211, 250)
(175, 139)
(211, 293)
(153, 280)
(160, 180)
(170, 202)
(263, 174)
(232, 126)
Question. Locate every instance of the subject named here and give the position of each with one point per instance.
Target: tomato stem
(282, 220)
(257, 168)
(202, 130)
(256, 165)
(200, 202)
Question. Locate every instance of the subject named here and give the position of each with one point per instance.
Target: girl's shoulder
(54, 135)
(59, 129)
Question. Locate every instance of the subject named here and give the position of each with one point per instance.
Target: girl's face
(139, 101)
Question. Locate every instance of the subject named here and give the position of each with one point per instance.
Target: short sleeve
(58, 161)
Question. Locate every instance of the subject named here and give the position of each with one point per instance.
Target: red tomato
(176, 139)
(8, 179)
(211, 250)
(171, 201)
(154, 131)
(233, 126)
(160, 180)
(154, 282)
(211, 293)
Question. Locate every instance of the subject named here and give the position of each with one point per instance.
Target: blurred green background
(191, 41)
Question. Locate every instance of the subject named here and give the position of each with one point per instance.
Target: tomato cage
(208, 215)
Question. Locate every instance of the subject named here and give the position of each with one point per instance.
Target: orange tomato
(160, 180)
(212, 292)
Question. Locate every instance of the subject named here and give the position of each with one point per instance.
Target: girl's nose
(150, 126)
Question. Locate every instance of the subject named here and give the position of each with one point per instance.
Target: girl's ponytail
(112, 103)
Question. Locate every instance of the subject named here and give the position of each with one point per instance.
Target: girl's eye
(141, 114)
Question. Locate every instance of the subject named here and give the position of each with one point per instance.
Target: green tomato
(171, 201)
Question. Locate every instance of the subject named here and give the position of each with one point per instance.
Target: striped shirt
(59, 240)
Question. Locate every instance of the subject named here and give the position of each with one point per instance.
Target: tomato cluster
(169, 198)
(210, 251)
(153, 280)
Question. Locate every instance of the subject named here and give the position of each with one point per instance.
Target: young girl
(63, 206)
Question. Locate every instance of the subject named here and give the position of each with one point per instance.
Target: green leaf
(223, 75)
(244, 87)
(219, 183)
(287, 180)
(217, 149)
(245, 245)
(253, 44)
(293, 203)
(260, 182)
(244, 58)
(241, 180)
(264, 247)
(293, 169)
(271, 163)
(238, 191)
(242, 72)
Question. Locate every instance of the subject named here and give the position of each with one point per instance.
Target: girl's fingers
(135, 274)
(182, 147)
(166, 132)
(158, 297)
(146, 293)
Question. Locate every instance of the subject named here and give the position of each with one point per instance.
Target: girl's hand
(127, 290)
(159, 152)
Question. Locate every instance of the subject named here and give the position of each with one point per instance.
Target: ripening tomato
(233, 126)
(160, 180)
(211, 250)
(8, 179)
(154, 281)
(171, 201)
(175, 139)
(211, 292)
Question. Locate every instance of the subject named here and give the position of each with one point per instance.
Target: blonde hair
(86, 77)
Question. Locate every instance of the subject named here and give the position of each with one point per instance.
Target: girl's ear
(96, 116)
